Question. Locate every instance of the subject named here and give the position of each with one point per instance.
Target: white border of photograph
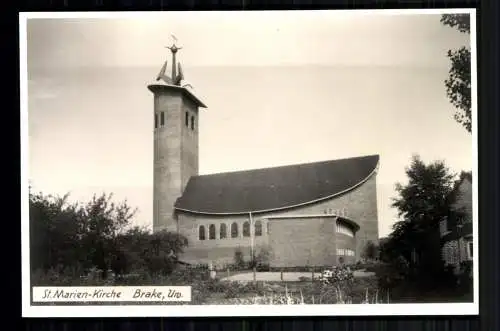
(29, 310)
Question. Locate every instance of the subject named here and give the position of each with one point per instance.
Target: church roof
(268, 189)
(155, 88)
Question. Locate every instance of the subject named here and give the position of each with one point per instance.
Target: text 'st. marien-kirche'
(313, 214)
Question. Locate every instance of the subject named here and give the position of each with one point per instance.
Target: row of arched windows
(233, 233)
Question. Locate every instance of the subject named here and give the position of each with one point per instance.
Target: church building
(312, 214)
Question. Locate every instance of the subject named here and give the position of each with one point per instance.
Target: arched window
(234, 230)
(201, 232)
(246, 229)
(211, 232)
(258, 228)
(223, 231)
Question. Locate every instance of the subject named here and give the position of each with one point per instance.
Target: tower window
(156, 121)
(162, 118)
(192, 122)
(187, 119)
(201, 233)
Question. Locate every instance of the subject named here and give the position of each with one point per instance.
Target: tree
(370, 251)
(162, 251)
(54, 233)
(96, 235)
(458, 84)
(67, 235)
(422, 203)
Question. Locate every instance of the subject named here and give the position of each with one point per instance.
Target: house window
(234, 230)
(162, 118)
(201, 232)
(470, 250)
(246, 229)
(192, 122)
(156, 121)
(223, 231)
(187, 119)
(258, 228)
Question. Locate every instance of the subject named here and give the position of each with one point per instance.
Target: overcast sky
(281, 88)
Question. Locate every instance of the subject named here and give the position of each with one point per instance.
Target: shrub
(239, 261)
(337, 275)
(262, 259)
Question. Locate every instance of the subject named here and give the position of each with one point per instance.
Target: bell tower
(175, 142)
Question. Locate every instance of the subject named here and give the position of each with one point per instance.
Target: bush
(262, 260)
(465, 277)
(336, 275)
(239, 261)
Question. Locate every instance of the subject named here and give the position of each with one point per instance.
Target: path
(287, 276)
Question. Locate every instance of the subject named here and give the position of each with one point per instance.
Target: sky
(281, 88)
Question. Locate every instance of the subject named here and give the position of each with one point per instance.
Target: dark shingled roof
(275, 188)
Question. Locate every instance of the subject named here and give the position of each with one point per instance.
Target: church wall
(302, 242)
(358, 205)
(221, 250)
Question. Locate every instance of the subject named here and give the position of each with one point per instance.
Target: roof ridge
(287, 166)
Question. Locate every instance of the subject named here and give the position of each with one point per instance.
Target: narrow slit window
(162, 118)
(192, 122)
(156, 121)
(187, 119)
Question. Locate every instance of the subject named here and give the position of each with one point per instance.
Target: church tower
(176, 125)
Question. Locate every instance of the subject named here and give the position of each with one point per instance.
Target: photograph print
(277, 163)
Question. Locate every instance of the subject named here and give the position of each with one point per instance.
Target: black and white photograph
(281, 163)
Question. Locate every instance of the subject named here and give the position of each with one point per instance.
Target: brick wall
(358, 205)
(302, 242)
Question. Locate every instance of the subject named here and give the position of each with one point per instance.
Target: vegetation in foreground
(95, 244)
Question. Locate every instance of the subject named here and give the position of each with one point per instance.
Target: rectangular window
(470, 250)
(156, 121)
(192, 122)
(187, 119)
(162, 118)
